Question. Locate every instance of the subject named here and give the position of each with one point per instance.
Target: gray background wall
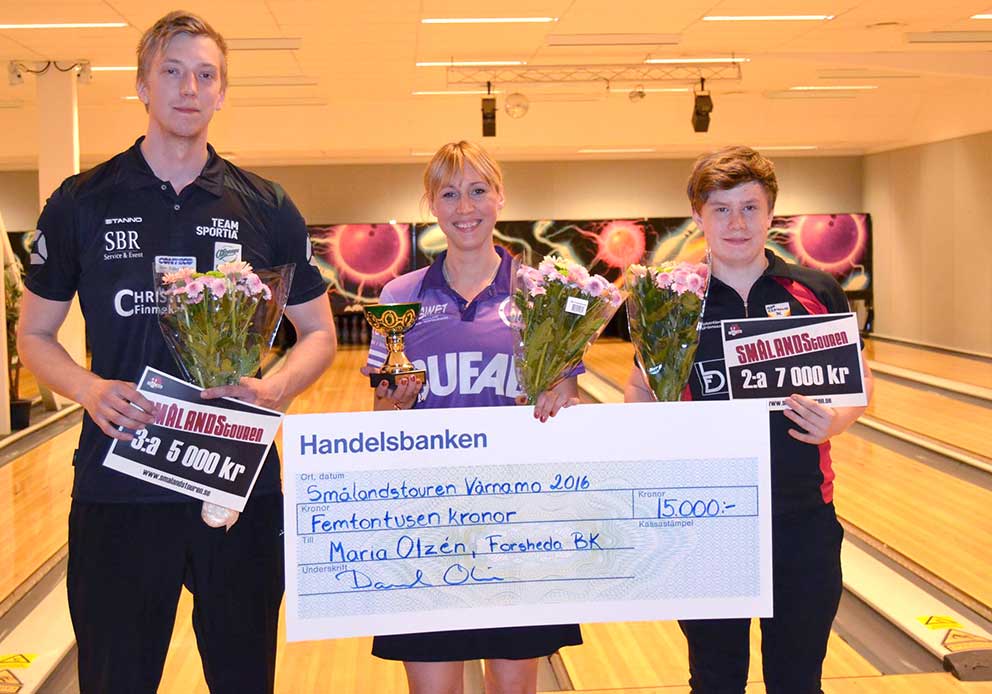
(933, 245)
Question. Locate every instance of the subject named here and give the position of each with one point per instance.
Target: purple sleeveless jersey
(466, 349)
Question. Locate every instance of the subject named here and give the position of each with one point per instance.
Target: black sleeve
(53, 272)
(295, 247)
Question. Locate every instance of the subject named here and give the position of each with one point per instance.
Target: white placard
(480, 517)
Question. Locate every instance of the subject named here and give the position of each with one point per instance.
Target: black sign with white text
(208, 449)
(817, 356)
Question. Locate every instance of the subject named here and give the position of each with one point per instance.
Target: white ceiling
(362, 58)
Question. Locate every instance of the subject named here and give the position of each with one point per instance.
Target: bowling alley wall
(930, 250)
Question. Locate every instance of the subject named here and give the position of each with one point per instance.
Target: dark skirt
(511, 643)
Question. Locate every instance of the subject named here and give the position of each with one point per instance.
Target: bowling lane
(954, 367)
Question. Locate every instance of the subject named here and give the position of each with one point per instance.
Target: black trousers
(127, 566)
(806, 583)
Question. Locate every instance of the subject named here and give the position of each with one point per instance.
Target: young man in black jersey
(732, 192)
(167, 202)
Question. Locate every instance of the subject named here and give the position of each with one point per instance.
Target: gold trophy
(392, 321)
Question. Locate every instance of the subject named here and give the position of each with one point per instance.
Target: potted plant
(20, 410)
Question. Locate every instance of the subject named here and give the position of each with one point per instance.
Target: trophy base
(375, 379)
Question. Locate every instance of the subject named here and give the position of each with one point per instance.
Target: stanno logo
(122, 220)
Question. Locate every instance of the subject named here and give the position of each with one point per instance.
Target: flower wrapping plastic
(560, 310)
(218, 324)
(664, 305)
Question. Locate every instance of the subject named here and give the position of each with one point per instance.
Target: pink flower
(179, 276)
(255, 285)
(663, 280)
(597, 285)
(236, 269)
(194, 291)
(695, 283)
(537, 290)
(577, 275)
(217, 286)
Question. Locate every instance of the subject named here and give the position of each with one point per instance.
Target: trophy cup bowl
(392, 321)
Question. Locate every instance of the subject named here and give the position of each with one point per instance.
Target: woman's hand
(402, 397)
(565, 394)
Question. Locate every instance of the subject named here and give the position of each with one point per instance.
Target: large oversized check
(450, 519)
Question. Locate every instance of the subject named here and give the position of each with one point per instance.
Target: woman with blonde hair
(464, 296)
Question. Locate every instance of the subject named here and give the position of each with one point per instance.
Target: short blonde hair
(158, 37)
(451, 160)
(728, 168)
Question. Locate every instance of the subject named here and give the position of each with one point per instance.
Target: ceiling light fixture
(612, 39)
(694, 61)
(833, 88)
(488, 20)
(769, 18)
(616, 150)
(981, 16)
(702, 107)
(516, 105)
(70, 25)
(471, 63)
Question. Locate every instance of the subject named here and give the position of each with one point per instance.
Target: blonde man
(167, 202)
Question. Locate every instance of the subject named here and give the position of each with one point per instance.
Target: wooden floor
(931, 683)
(932, 518)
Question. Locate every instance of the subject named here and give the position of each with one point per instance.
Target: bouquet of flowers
(664, 305)
(561, 309)
(217, 325)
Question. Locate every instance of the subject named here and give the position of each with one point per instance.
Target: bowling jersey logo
(39, 248)
(509, 313)
(778, 310)
(226, 253)
(712, 379)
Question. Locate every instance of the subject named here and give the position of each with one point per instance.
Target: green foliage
(663, 329)
(552, 341)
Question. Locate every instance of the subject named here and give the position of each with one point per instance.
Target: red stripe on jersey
(826, 468)
(805, 296)
(686, 393)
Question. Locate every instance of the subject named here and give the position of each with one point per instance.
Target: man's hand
(257, 391)
(113, 404)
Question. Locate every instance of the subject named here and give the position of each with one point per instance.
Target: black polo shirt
(99, 236)
(802, 476)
